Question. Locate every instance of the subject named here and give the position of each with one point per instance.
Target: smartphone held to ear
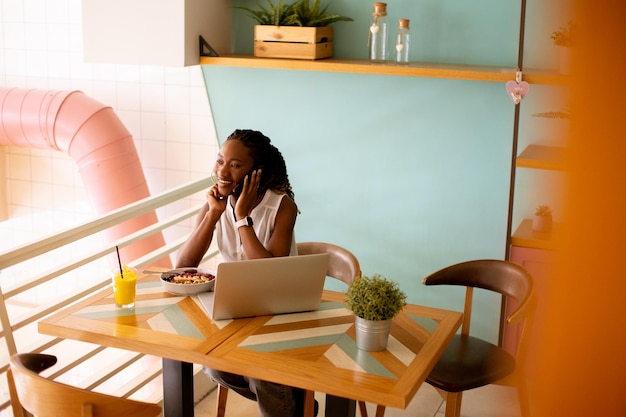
(239, 187)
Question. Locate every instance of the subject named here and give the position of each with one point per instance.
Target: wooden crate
(293, 42)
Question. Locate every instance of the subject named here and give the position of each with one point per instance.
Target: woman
(252, 214)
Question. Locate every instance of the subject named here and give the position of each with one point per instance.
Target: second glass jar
(403, 42)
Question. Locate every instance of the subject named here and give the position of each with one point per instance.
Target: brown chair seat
(469, 362)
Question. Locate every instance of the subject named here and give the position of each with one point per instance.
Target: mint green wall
(411, 174)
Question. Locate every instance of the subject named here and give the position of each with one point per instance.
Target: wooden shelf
(525, 237)
(414, 69)
(542, 157)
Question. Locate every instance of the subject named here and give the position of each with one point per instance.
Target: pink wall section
(94, 137)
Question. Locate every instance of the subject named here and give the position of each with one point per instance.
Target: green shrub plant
(375, 298)
(300, 13)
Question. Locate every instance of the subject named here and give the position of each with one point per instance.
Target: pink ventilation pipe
(93, 136)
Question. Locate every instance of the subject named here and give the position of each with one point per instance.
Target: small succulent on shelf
(565, 35)
(542, 221)
(375, 298)
(300, 13)
(543, 210)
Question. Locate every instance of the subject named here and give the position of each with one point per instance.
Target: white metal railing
(26, 301)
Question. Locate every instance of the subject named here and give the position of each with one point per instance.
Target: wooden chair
(344, 266)
(469, 362)
(42, 397)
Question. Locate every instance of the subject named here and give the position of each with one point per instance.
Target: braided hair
(267, 157)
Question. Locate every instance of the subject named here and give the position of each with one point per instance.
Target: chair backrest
(506, 278)
(43, 397)
(343, 265)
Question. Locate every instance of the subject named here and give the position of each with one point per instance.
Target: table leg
(177, 388)
(339, 407)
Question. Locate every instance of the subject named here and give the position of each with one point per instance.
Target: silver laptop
(266, 286)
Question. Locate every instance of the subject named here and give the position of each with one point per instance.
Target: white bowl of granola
(188, 281)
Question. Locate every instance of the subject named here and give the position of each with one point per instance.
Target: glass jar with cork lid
(378, 33)
(403, 42)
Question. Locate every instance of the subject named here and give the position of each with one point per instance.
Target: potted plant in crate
(374, 301)
(542, 221)
(300, 30)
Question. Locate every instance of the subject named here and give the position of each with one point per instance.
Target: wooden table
(313, 350)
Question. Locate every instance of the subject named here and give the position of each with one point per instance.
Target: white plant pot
(372, 335)
(542, 223)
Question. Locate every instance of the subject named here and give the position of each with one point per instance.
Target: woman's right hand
(216, 202)
(192, 251)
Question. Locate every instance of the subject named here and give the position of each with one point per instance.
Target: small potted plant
(564, 38)
(542, 221)
(374, 301)
(300, 30)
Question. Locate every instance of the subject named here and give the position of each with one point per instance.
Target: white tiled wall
(166, 110)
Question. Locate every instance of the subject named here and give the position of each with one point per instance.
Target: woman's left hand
(249, 194)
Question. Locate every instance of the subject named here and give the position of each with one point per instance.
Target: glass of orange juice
(124, 284)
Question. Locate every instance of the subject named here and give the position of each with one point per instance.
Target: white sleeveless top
(263, 219)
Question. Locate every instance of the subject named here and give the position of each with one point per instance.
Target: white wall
(166, 109)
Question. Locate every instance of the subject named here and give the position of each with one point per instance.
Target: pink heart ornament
(517, 90)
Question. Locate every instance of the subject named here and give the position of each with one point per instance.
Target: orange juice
(124, 287)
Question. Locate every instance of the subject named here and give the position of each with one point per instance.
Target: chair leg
(362, 409)
(309, 403)
(380, 410)
(222, 396)
(16, 406)
(453, 404)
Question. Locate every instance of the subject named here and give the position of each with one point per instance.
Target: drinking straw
(119, 262)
